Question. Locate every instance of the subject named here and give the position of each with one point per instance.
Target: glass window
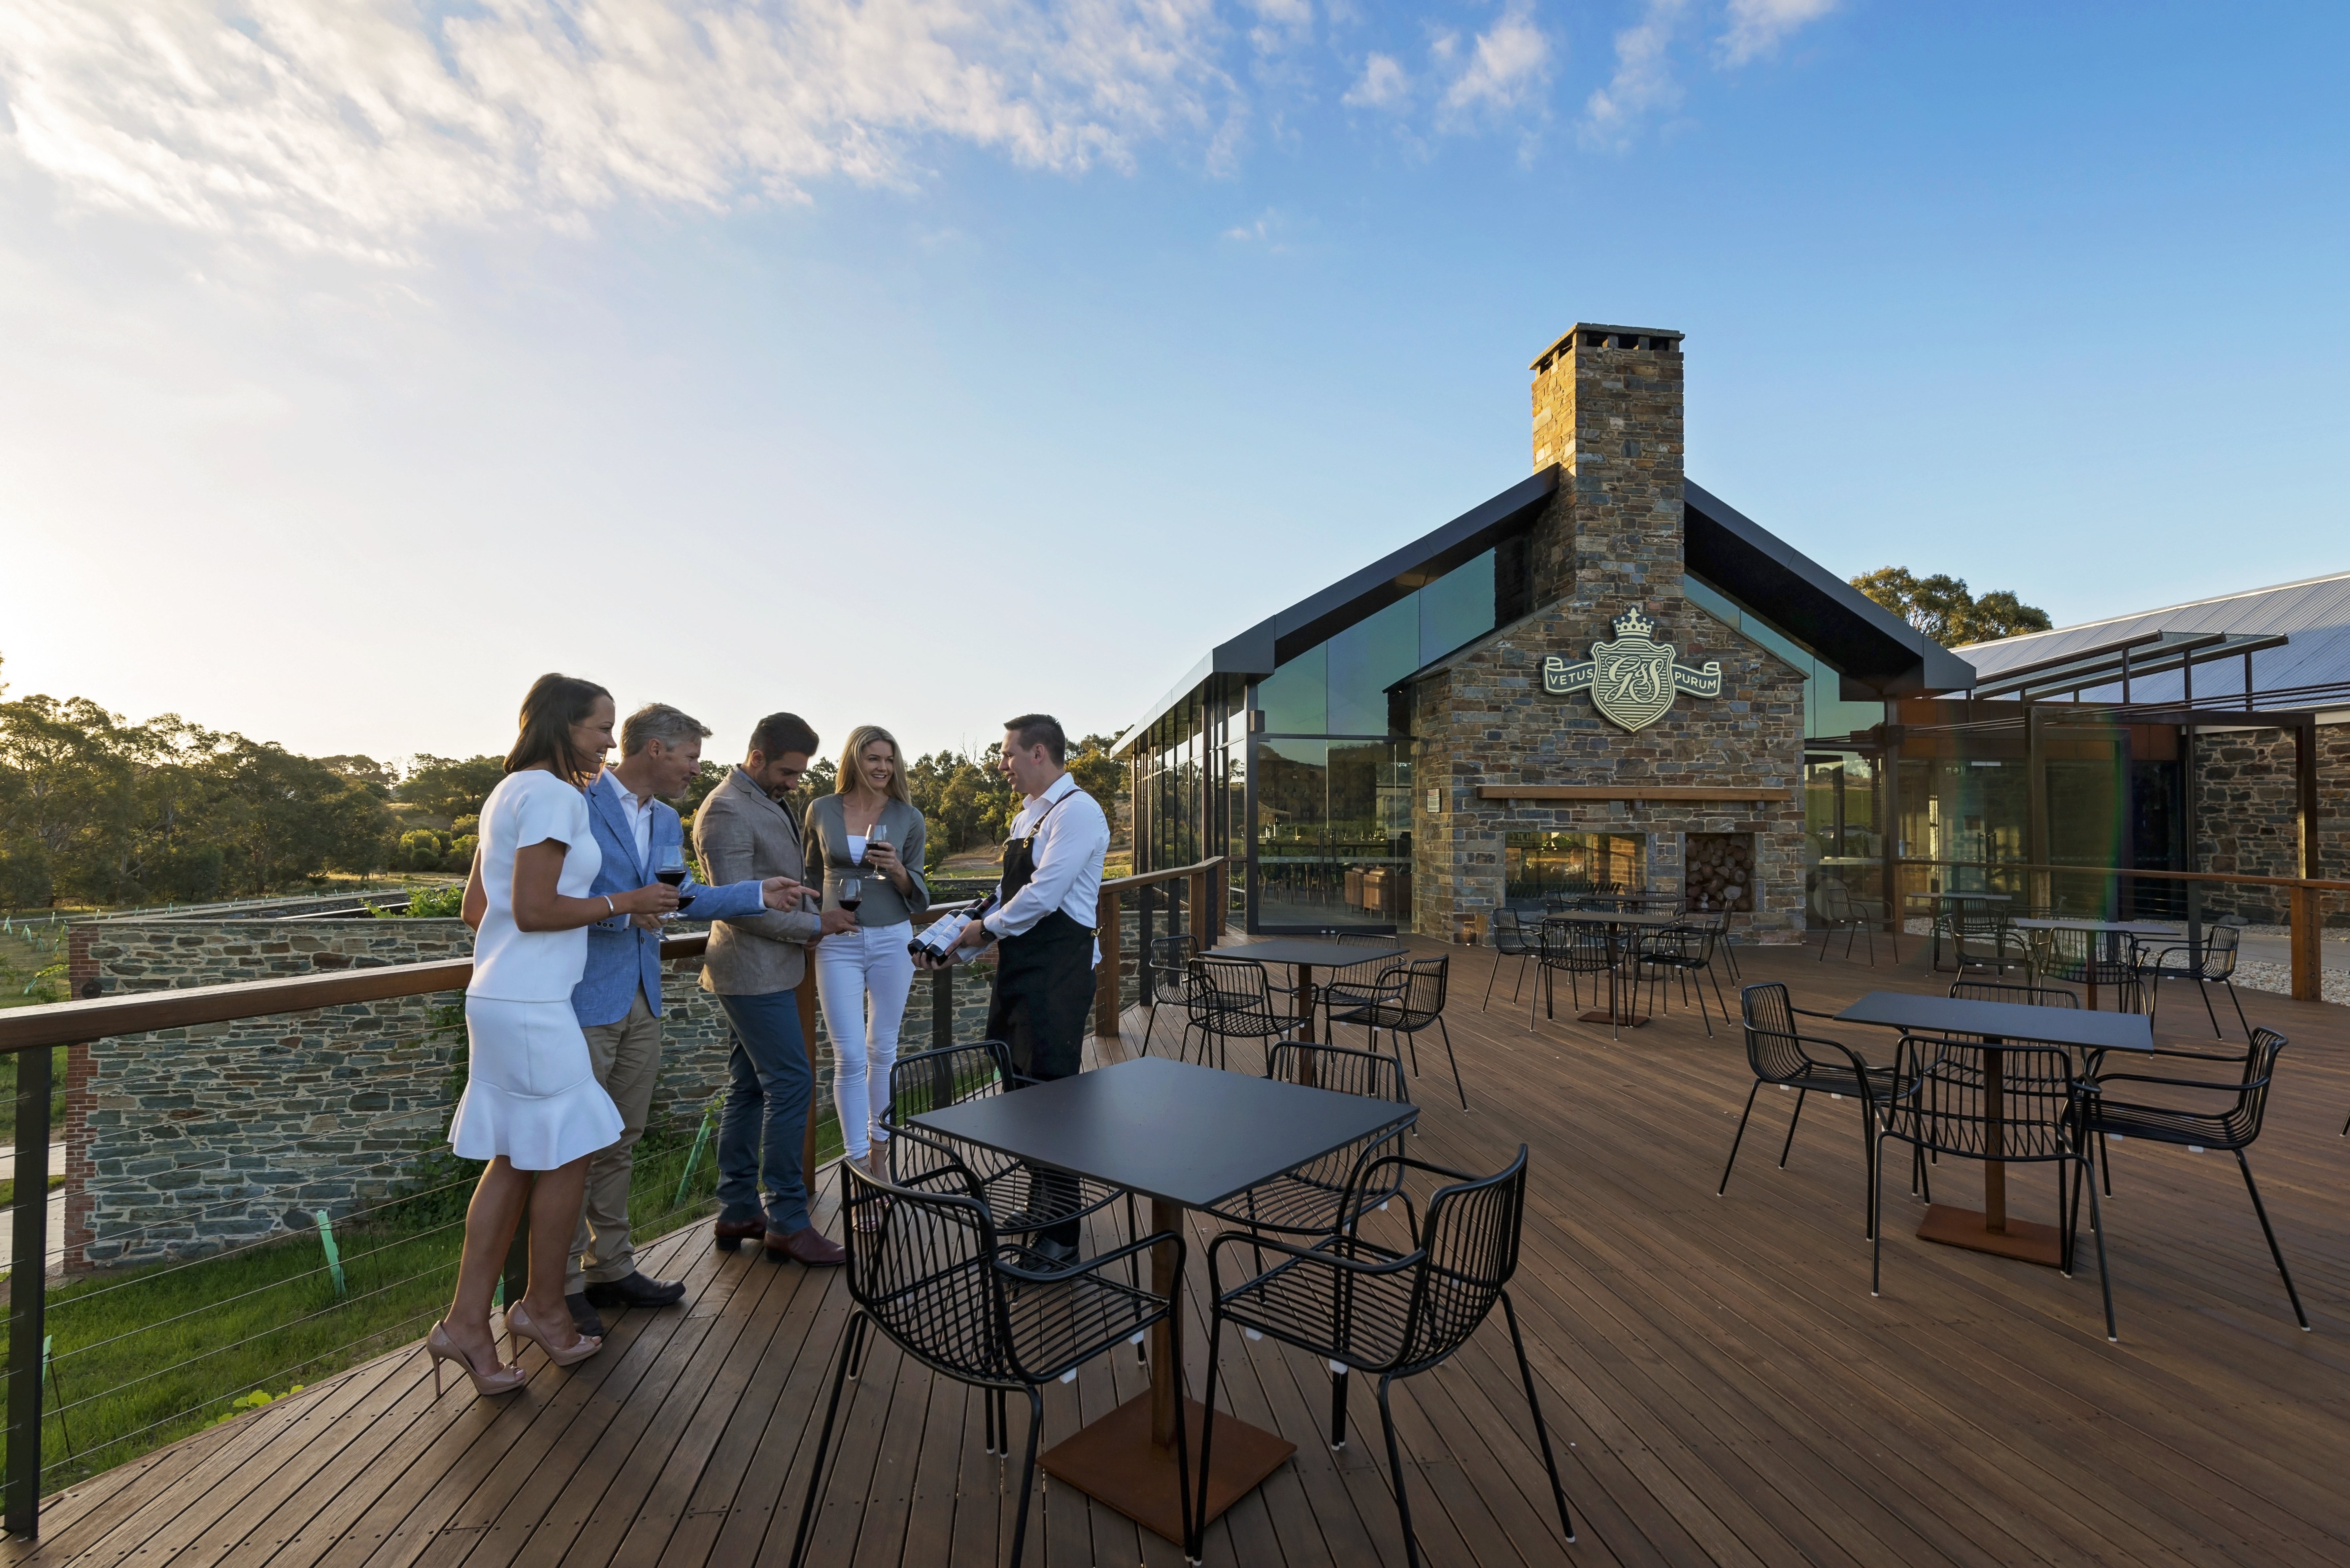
(1538, 866)
(1365, 659)
(1295, 697)
(1825, 712)
(1456, 609)
(1334, 841)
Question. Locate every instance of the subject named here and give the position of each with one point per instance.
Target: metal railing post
(28, 1292)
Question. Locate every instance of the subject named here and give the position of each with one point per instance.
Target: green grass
(8, 1187)
(141, 1358)
(56, 1095)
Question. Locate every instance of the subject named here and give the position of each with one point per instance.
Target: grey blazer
(738, 834)
(826, 836)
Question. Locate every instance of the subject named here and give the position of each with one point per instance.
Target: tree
(1944, 610)
(451, 787)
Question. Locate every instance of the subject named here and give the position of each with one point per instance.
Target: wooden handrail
(1152, 879)
(1207, 902)
(2317, 883)
(70, 1022)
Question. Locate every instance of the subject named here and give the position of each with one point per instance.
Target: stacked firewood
(1720, 872)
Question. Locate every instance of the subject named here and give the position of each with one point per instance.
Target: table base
(1113, 1461)
(1622, 1020)
(2026, 1240)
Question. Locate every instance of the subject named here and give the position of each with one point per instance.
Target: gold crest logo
(1632, 678)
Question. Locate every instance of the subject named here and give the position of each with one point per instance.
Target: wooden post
(1204, 925)
(806, 997)
(1106, 977)
(28, 1292)
(2308, 960)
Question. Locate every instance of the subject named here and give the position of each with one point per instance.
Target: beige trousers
(627, 1059)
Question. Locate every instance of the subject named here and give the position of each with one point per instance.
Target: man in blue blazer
(618, 997)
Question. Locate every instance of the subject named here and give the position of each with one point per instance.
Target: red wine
(850, 904)
(672, 875)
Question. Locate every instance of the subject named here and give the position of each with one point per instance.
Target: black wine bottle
(939, 939)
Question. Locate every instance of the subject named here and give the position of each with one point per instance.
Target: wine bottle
(939, 938)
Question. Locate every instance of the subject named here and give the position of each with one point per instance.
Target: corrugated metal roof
(2315, 614)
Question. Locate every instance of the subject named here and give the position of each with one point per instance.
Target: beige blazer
(740, 835)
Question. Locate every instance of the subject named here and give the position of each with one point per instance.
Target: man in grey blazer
(754, 965)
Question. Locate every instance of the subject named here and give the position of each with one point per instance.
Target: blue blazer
(621, 958)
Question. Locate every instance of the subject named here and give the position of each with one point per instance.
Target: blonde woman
(867, 831)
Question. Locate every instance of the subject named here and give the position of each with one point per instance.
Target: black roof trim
(1810, 604)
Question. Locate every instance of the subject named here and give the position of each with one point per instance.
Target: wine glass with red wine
(852, 893)
(669, 866)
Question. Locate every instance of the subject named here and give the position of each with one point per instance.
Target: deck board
(1720, 1384)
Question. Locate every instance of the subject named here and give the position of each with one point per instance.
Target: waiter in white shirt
(1044, 923)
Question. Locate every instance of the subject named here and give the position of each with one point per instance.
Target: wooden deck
(1720, 1384)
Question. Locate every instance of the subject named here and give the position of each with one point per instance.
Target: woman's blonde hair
(859, 738)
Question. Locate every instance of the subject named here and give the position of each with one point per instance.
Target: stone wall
(2248, 817)
(184, 1141)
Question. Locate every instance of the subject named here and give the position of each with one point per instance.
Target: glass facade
(1302, 779)
(1538, 866)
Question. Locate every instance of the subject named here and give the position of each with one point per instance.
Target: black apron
(1043, 978)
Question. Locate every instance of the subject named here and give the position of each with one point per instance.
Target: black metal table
(1185, 1136)
(1615, 1016)
(1302, 954)
(1995, 1023)
(2101, 928)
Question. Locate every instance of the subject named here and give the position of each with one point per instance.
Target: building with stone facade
(1602, 677)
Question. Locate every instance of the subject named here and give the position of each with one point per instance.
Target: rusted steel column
(1106, 978)
(2308, 960)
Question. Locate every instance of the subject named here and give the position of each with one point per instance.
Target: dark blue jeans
(760, 1131)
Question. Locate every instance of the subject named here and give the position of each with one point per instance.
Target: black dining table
(1616, 1016)
(1991, 1229)
(1304, 955)
(2114, 950)
(1185, 1136)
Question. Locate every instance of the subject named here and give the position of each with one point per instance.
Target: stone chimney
(1608, 408)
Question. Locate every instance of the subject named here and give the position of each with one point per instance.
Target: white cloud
(352, 129)
(1756, 26)
(1383, 84)
(1643, 79)
(1507, 66)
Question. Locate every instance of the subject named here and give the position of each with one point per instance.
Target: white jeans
(862, 978)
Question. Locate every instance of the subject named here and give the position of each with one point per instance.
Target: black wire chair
(1839, 910)
(1683, 951)
(2022, 995)
(1409, 998)
(2214, 965)
(1166, 963)
(1941, 1101)
(1718, 922)
(933, 1275)
(1353, 985)
(1021, 1198)
(2233, 1123)
(1229, 999)
(1779, 1053)
(1313, 1199)
(2087, 958)
(1575, 948)
(1362, 1307)
(1509, 941)
(1984, 921)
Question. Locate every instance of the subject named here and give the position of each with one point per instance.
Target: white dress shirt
(1068, 855)
(640, 813)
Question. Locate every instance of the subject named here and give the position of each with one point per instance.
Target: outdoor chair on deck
(2215, 965)
(1684, 951)
(1323, 1195)
(1839, 910)
(1229, 999)
(2222, 1115)
(1352, 985)
(1941, 1102)
(934, 1276)
(1778, 1053)
(2086, 958)
(1508, 942)
(1407, 999)
(1718, 922)
(1572, 948)
(1168, 961)
(1362, 1307)
(1021, 1200)
(1983, 922)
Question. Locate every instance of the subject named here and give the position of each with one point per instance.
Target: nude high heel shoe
(519, 1326)
(441, 1349)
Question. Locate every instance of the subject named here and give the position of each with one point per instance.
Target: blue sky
(921, 363)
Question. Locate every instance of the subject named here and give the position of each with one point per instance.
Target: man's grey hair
(671, 726)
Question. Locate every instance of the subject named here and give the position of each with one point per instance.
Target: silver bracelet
(611, 910)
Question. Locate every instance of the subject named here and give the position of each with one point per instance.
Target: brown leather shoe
(808, 1245)
(732, 1233)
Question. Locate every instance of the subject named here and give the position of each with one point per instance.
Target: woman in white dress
(531, 1105)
